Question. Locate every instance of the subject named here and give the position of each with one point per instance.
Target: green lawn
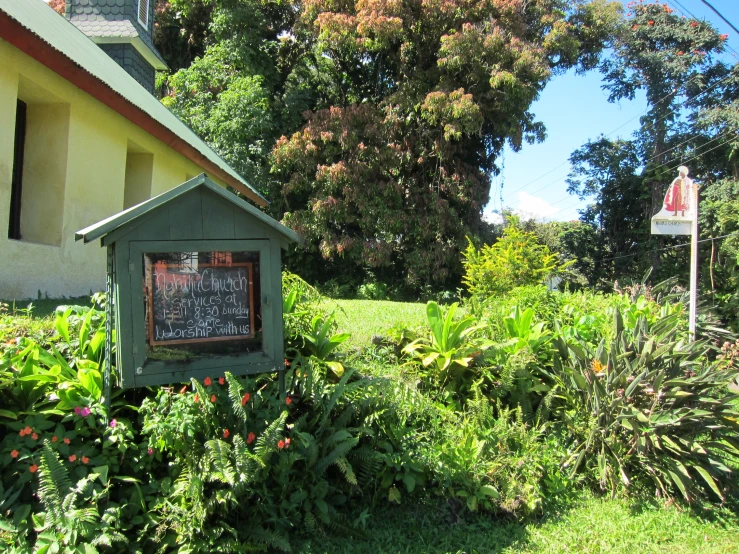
(364, 318)
(593, 525)
(45, 306)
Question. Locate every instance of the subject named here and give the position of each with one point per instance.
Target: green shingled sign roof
(106, 226)
(61, 35)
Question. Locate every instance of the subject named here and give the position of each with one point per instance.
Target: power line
(723, 143)
(682, 245)
(721, 16)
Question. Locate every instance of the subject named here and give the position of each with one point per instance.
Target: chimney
(123, 29)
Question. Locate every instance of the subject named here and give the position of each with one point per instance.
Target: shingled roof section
(59, 42)
(102, 30)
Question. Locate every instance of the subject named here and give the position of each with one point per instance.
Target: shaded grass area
(44, 307)
(590, 525)
(364, 318)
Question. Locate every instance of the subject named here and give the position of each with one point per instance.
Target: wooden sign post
(195, 281)
(679, 216)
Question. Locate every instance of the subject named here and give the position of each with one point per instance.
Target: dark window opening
(14, 226)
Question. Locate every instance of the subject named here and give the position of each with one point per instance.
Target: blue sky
(575, 109)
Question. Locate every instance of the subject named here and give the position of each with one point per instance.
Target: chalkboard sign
(208, 302)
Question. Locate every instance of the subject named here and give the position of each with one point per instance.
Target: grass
(44, 307)
(591, 525)
(364, 318)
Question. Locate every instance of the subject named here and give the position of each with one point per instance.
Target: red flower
(22, 432)
(288, 400)
(245, 399)
(221, 381)
(226, 433)
(73, 458)
(724, 37)
(197, 398)
(67, 441)
(207, 382)
(650, 22)
(28, 430)
(34, 436)
(680, 53)
(33, 468)
(634, 27)
(250, 438)
(213, 398)
(183, 389)
(281, 444)
(287, 362)
(85, 459)
(693, 23)
(54, 438)
(14, 454)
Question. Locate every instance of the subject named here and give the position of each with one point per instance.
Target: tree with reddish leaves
(418, 97)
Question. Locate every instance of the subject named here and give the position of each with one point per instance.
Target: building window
(16, 193)
(143, 13)
(139, 169)
(39, 166)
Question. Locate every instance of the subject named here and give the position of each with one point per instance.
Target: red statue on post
(679, 195)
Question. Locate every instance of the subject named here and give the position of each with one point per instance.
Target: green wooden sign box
(195, 279)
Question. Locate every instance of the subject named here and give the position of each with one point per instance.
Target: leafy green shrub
(516, 259)
(649, 408)
(447, 351)
(373, 291)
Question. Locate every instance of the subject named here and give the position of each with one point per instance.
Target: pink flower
(77, 410)
(250, 438)
(150, 452)
(113, 423)
(85, 412)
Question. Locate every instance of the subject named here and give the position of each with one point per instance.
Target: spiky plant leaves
(218, 452)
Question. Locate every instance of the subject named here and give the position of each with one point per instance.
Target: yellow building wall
(92, 187)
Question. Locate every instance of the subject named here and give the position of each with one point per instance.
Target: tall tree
(419, 97)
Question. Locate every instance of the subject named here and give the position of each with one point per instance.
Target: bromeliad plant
(446, 354)
(649, 408)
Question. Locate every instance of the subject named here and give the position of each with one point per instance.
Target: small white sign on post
(679, 216)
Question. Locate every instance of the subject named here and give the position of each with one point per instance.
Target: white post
(693, 265)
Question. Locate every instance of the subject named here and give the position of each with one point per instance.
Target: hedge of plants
(500, 405)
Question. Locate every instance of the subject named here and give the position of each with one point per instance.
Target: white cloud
(492, 217)
(533, 207)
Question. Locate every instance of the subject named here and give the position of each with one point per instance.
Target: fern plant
(66, 525)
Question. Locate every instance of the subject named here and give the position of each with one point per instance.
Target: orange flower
(33, 468)
(54, 438)
(67, 441)
(226, 433)
(22, 432)
(245, 399)
(34, 437)
(680, 53)
(693, 23)
(221, 381)
(650, 22)
(213, 398)
(85, 459)
(14, 454)
(197, 398)
(281, 444)
(28, 430)
(634, 27)
(183, 389)
(288, 400)
(207, 382)
(250, 438)
(73, 458)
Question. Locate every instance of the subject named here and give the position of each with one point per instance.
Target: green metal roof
(60, 34)
(106, 226)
